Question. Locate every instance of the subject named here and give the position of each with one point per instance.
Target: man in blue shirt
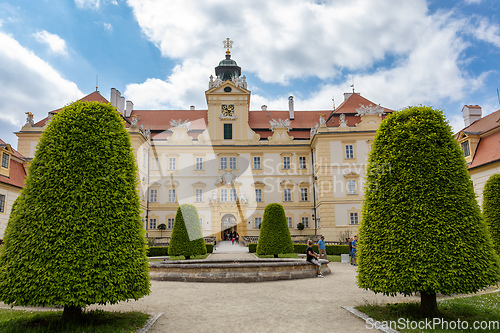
(354, 250)
(322, 247)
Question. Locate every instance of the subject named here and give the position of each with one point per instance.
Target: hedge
(158, 251)
(301, 248)
(252, 247)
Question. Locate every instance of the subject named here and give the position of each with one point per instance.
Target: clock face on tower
(227, 110)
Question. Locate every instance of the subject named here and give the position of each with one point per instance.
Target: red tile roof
(92, 97)
(487, 151)
(159, 120)
(17, 174)
(14, 152)
(303, 119)
(353, 102)
(484, 124)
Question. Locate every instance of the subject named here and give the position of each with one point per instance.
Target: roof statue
(228, 44)
(29, 118)
(342, 121)
(280, 123)
(370, 109)
(180, 124)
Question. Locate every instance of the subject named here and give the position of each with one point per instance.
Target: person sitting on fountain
(313, 257)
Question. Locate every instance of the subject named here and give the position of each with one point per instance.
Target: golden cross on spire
(228, 44)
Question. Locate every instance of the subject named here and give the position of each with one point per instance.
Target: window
(153, 195)
(257, 221)
(302, 162)
(152, 223)
(172, 161)
(170, 223)
(228, 131)
(351, 186)
(223, 194)
(199, 163)
(232, 194)
(2, 203)
(5, 160)
(154, 163)
(465, 148)
(303, 194)
(353, 218)
(256, 162)
(232, 163)
(287, 194)
(258, 195)
(305, 221)
(223, 163)
(289, 220)
(171, 195)
(144, 157)
(286, 162)
(349, 151)
(198, 195)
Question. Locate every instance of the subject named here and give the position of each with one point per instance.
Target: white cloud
(108, 26)
(29, 84)
(93, 4)
(486, 31)
(54, 42)
(399, 55)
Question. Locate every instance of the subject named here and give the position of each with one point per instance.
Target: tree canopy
(187, 237)
(274, 235)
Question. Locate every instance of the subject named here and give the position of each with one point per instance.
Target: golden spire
(228, 44)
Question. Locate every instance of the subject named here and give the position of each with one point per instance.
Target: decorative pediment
(216, 85)
(172, 183)
(287, 183)
(180, 130)
(280, 130)
(199, 184)
(285, 123)
(370, 109)
(258, 184)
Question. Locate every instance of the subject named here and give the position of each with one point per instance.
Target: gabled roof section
(12, 150)
(92, 97)
(353, 102)
(485, 124)
(234, 89)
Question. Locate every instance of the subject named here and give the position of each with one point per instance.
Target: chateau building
(231, 162)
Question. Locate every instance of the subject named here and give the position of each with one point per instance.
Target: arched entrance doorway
(228, 225)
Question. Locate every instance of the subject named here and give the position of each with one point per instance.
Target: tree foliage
(75, 234)
(187, 238)
(491, 209)
(422, 229)
(274, 235)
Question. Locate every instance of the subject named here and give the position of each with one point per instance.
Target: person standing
(322, 247)
(354, 250)
(313, 257)
(350, 249)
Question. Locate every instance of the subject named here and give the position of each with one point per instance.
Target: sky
(160, 54)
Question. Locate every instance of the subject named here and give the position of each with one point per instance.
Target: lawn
(17, 321)
(464, 311)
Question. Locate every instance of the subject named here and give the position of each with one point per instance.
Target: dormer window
(465, 148)
(5, 160)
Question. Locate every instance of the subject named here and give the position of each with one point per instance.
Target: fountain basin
(235, 270)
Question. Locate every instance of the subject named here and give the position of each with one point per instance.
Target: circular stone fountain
(235, 270)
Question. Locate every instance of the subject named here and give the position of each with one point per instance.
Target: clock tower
(228, 102)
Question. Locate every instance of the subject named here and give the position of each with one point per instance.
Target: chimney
(471, 113)
(114, 97)
(264, 107)
(128, 110)
(191, 107)
(121, 105)
(290, 108)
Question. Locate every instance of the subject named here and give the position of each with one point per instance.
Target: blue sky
(159, 54)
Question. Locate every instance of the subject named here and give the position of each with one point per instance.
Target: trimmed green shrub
(210, 248)
(422, 230)
(187, 238)
(274, 235)
(301, 248)
(75, 237)
(491, 209)
(252, 247)
(337, 249)
(158, 251)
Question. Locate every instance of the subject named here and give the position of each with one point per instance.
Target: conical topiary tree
(187, 238)
(75, 235)
(422, 229)
(491, 209)
(274, 237)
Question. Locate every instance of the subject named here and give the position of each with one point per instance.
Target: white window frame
(199, 163)
(223, 163)
(289, 196)
(289, 221)
(304, 195)
(172, 163)
(258, 195)
(302, 162)
(257, 222)
(232, 195)
(153, 195)
(349, 151)
(305, 221)
(171, 195)
(198, 197)
(354, 218)
(256, 163)
(223, 194)
(351, 187)
(152, 224)
(154, 164)
(286, 163)
(2, 203)
(232, 163)
(170, 223)
(5, 160)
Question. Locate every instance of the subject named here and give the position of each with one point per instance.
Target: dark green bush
(187, 238)
(158, 251)
(491, 209)
(422, 230)
(252, 247)
(210, 248)
(75, 237)
(274, 235)
(337, 249)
